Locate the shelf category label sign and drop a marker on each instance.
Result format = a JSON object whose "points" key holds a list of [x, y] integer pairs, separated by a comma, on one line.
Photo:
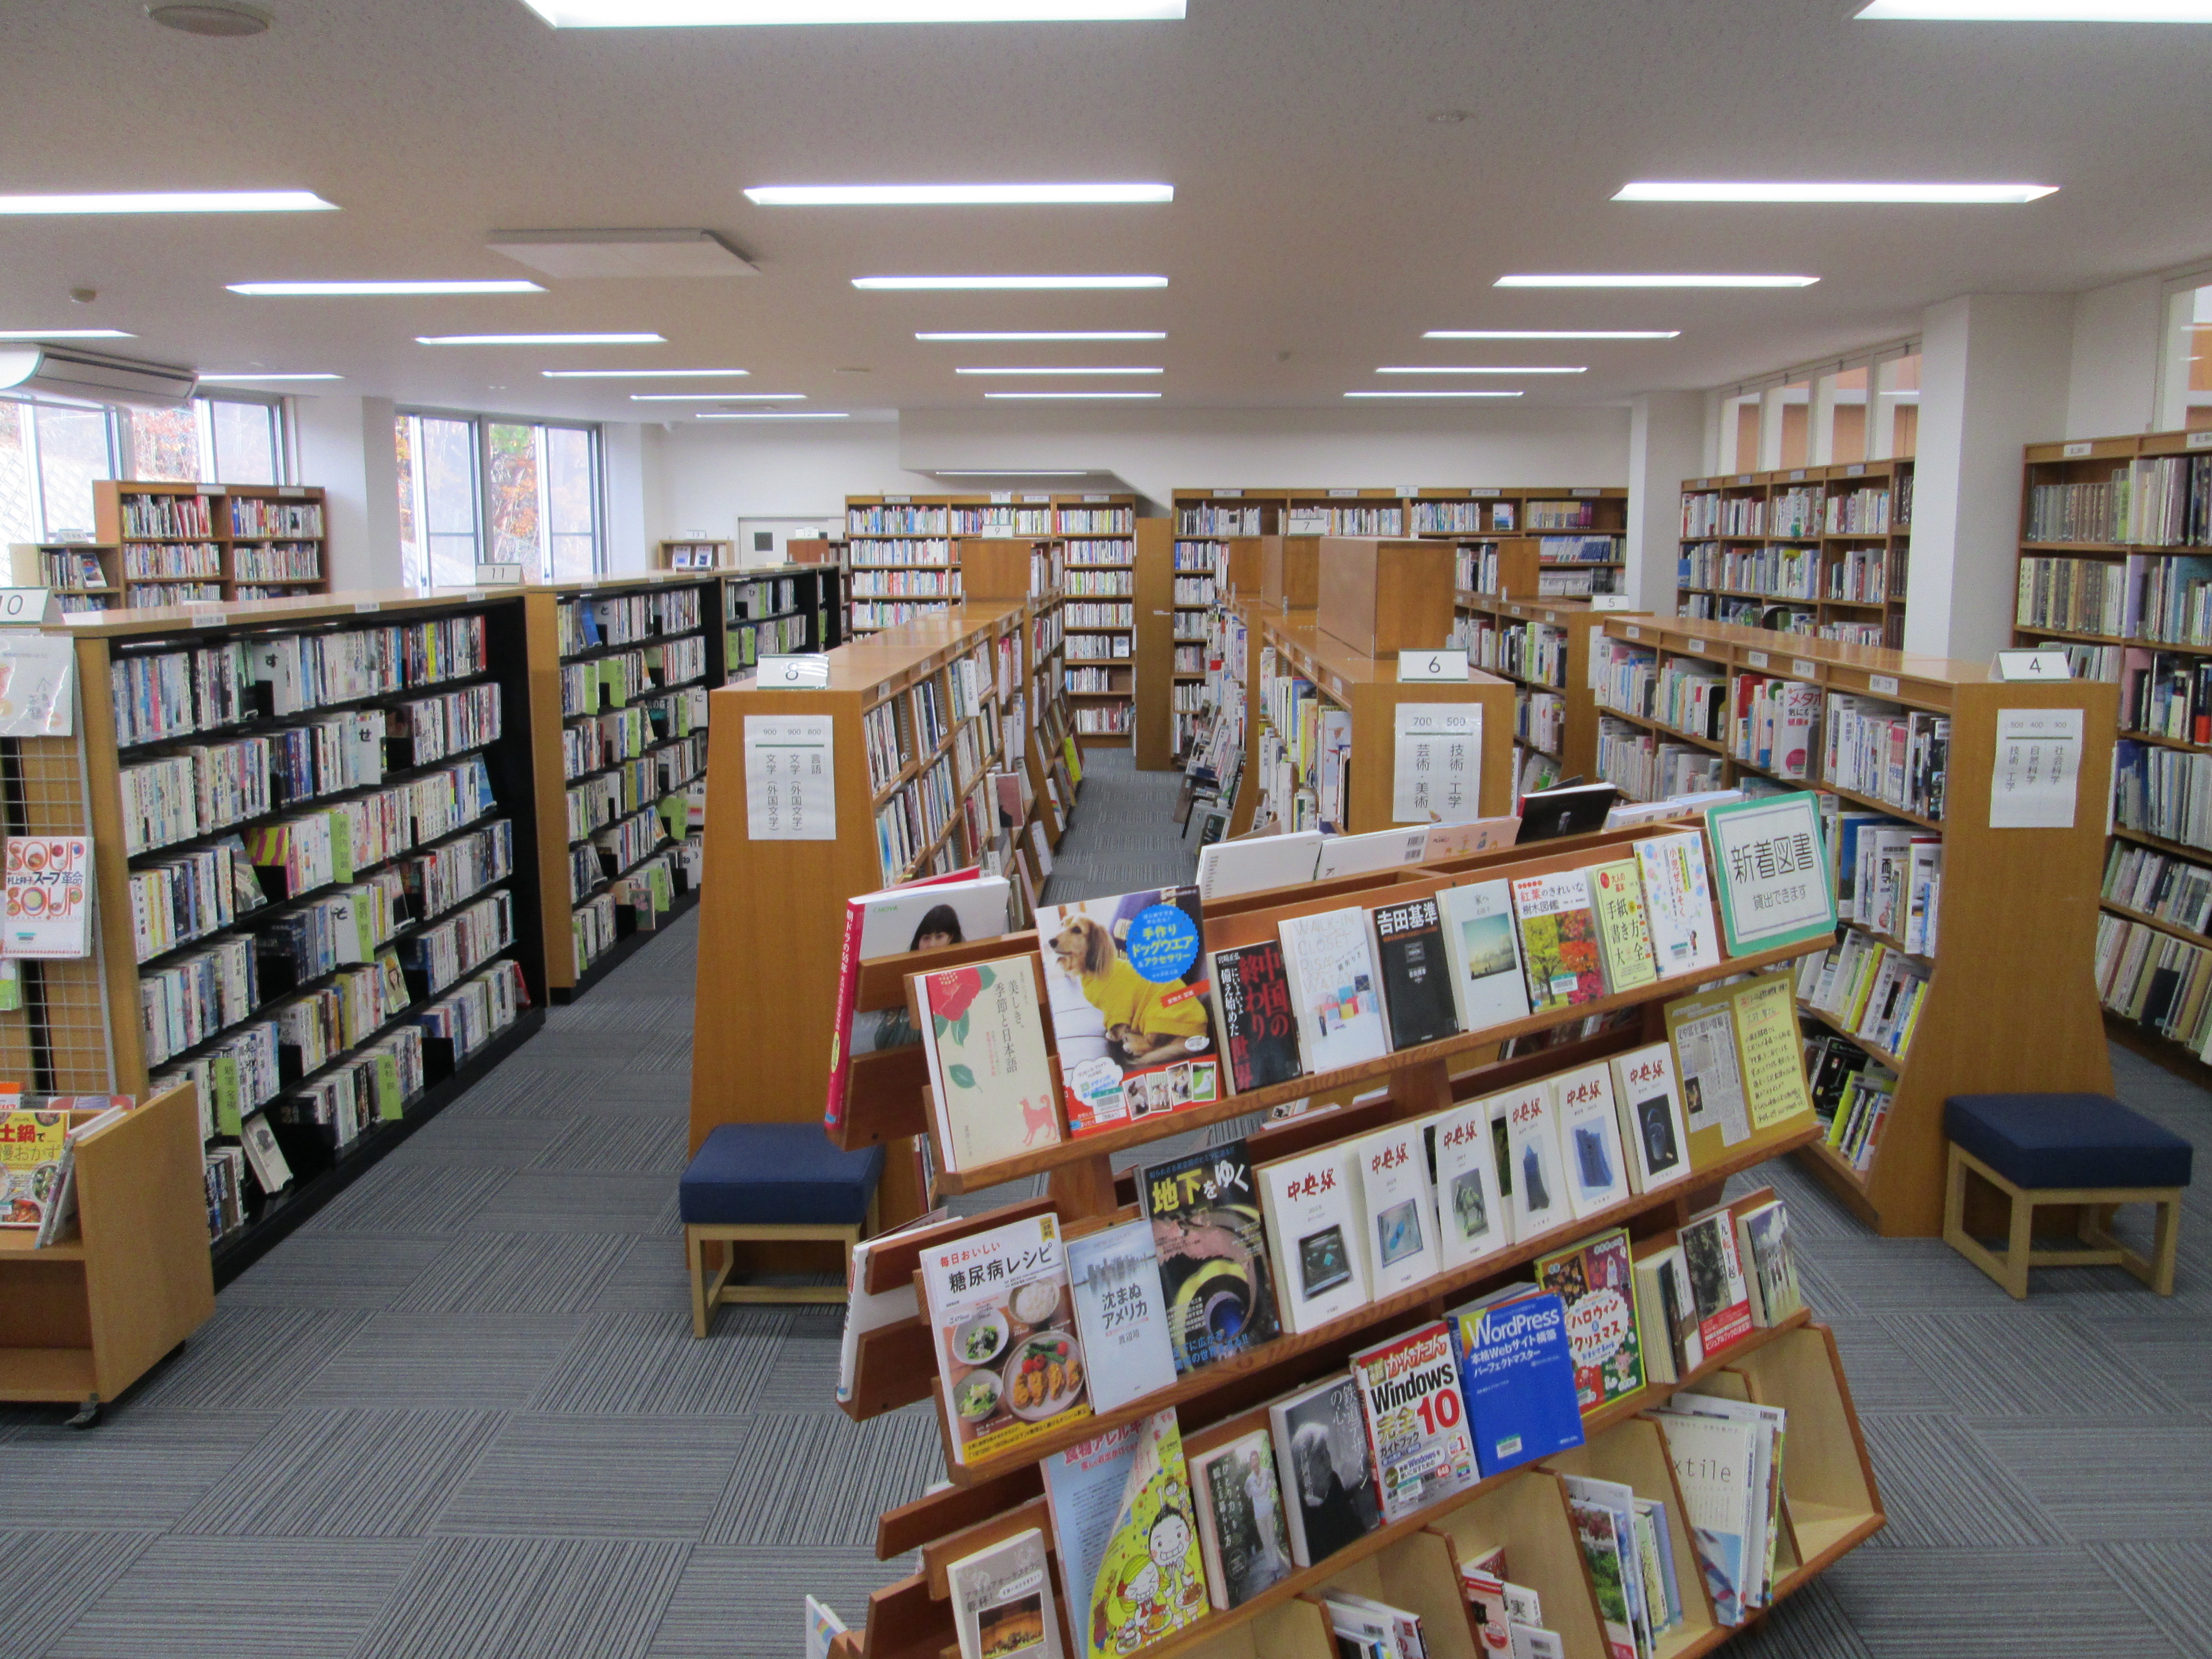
{"points": [[1438, 776], [791, 781], [2038, 769], [1771, 860]]}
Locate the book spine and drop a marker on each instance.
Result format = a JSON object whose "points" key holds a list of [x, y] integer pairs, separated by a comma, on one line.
{"points": [[840, 1033]]}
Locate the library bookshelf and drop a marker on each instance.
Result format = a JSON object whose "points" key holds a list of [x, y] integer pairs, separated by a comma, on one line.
{"points": [[694, 553], [421, 833], [1833, 1500], [1038, 726], [782, 902], [1809, 549], [182, 542], [2115, 545], [1543, 647], [1982, 1024], [83, 575], [87, 1316]]}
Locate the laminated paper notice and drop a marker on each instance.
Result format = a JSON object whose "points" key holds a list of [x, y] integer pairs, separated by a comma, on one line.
{"points": [[1768, 1039], [1438, 775], [790, 786], [1713, 1086], [2038, 769]]}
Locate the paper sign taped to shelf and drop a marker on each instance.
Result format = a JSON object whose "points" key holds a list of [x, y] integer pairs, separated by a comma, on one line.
{"points": [[2032, 665], [498, 576], [2198, 440], [791, 780], [46, 897], [38, 684], [1438, 775], [1431, 666], [2038, 769], [807, 672]]}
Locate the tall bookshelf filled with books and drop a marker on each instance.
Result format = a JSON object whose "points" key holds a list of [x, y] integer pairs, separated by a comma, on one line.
{"points": [[1916, 761], [83, 575], [1098, 615], [184, 543], [2115, 556], [622, 760], [779, 611], [1254, 1283], [1544, 648], [1820, 551], [316, 865]]}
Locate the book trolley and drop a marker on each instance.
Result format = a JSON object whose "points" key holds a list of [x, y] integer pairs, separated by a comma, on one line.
{"points": [[2116, 547], [188, 541], [1830, 1492], [2009, 1003], [1810, 550]]}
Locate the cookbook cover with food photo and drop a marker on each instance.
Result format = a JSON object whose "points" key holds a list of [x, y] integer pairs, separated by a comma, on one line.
{"points": [[1004, 1322]]}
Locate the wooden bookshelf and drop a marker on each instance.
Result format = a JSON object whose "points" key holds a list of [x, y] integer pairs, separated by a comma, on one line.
{"points": [[87, 1316], [1833, 1500], [779, 610], [1205, 569], [694, 553], [190, 543], [1983, 1024], [2098, 550], [1543, 647], [783, 901], [452, 942], [84, 575], [1160, 701], [1852, 524]]}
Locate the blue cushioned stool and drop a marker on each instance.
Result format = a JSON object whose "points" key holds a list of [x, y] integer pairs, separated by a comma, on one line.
{"points": [[2086, 1150], [771, 1184]]}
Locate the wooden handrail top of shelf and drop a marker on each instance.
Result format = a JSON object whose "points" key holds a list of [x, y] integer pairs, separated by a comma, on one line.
{"points": [[1735, 639], [893, 658], [1334, 667], [389, 603]]}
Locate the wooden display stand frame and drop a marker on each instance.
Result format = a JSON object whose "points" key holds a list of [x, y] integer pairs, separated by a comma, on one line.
{"points": [[107, 517], [1834, 1502], [1381, 598], [84, 1318], [1842, 478], [664, 555], [1984, 1026]]}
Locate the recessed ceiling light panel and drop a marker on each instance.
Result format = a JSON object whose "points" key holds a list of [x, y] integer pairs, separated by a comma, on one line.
{"points": [[1553, 334], [494, 285], [65, 334], [602, 253], [2040, 11], [718, 397], [1656, 279], [1069, 396], [538, 339], [1432, 394], [1461, 369], [174, 201], [955, 195], [1663, 191], [1031, 336], [1059, 371], [641, 373], [245, 379], [778, 415], [1040, 282], [705, 14]]}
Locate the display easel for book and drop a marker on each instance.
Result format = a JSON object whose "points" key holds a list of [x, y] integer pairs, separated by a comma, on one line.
{"points": [[1829, 1483], [1818, 550], [2010, 1001], [190, 542], [2114, 538]]}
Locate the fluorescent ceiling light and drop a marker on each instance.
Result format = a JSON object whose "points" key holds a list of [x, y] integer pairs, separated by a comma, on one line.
{"points": [[699, 13], [65, 334], [639, 373], [1553, 334], [240, 379], [1432, 394], [1629, 279], [1059, 371], [182, 201], [1012, 471], [1654, 190], [1439, 369], [490, 285], [2041, 11], [1061, 396], [1035, 334], [718, 397], [1007, 282], [777, 415], [539, 339], [952, 195]]}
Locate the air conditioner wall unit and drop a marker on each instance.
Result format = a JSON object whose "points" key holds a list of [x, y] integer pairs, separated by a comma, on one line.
{"points": [[94, 375]]}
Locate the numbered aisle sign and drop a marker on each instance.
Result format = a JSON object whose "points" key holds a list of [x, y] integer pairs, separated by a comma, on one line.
{"points": [[1775, 888], [1438, 775], [791, 781], [810, 672], [1431, 666]]}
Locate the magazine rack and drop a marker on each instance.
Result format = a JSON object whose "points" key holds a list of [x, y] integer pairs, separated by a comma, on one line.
{"points": [[1833, 1500]]}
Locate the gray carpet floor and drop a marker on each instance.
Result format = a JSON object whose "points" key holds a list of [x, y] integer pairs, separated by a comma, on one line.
{"points": [[461, 1413]]}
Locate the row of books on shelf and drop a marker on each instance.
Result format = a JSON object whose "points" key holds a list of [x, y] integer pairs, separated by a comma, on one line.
{"points": [[1868, 988], [1191, 592], [872, 616], [1852, 1093], [620, 734], [1540, 719], [2149, 977], [2157, 883], [1551, 584], [762, 597], [250, 517], [1114, 550], [1221, 519], [906, 583], [1102, 584], [1198, 557], [2162, 792], [598, 684], [1035, 1332], [1106, 719], [1792, 573], [1074, 615], [626, 618], [2162, 501], [897, 554], [169, 693], [915, 520], [2157, 598], [279, 561], [1525, 650], [1577, 549], [149, 560], [1098, 648], [622, 790], [1647, 767], [744, 645], [1463, 518]]}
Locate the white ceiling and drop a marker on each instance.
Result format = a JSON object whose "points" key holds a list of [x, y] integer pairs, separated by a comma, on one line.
{"points": [[1319, 212]]}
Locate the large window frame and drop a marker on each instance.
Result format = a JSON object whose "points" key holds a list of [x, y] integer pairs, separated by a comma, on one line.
{"points": [[551, 510], [42, 520], [1786, 418]]}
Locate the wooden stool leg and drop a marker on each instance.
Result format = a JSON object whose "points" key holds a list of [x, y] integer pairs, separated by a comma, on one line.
{"points": [[694, 1251], [2022, 1244], [1954, 1196], [2168, 1243]]}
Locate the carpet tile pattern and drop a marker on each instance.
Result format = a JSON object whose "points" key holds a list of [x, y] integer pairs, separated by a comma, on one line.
{"points": [[461, 1413]]}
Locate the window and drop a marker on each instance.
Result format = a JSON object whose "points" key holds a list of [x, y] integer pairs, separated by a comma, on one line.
{"points": [[1897, 408], [52, 453], [506, 491], [1865, 407], [75, 448]]}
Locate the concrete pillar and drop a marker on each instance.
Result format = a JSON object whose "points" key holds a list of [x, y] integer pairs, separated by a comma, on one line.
{"points": [[346, 446], [1666, 445]]}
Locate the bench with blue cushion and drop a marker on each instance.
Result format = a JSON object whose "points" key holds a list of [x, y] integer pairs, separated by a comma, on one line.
{"points": [[2087, 1152], [771, 1184]]}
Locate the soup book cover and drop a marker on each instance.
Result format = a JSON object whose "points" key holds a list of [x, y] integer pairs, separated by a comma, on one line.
{"points": [[1132, 1018], [1215, 1277], [1003, 1320]]}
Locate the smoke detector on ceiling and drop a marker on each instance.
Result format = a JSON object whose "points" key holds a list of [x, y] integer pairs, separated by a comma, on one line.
{"points": [[624, 252], [226, 18]]}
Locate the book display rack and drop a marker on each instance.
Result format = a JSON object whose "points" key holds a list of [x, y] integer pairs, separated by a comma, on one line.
{"points": [[1811, 550], [1543, 647], [1907, 753], [83, 575], [183, 543], [1414, 1560], [621, 760], [694, 553], [317, 875], [2116, 558]]}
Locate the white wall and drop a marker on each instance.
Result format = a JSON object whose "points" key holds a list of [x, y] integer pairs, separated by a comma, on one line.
{"points": [[1667, 436], [622, 445], [345, 445], [709, 476], [2112, 376]]}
